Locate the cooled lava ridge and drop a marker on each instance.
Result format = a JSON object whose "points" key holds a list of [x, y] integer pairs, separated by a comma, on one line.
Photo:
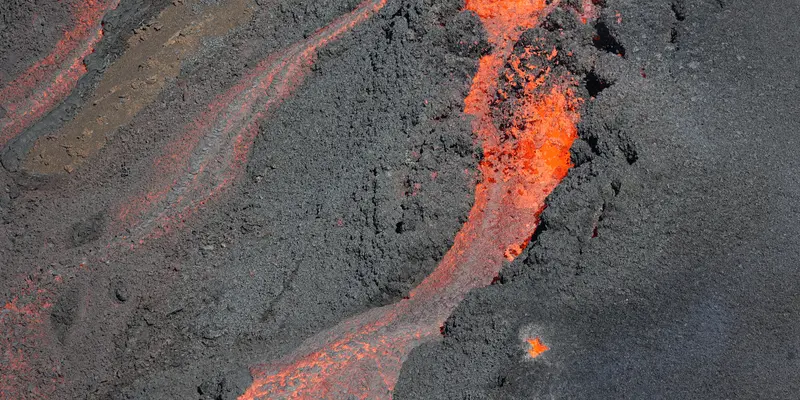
{"points": [[208, 158]]}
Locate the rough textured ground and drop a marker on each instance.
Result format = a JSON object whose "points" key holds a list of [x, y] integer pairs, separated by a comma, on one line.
{"points": [[117, 25], [28, 29], [688, 288], [664, 266], [354, 190]]}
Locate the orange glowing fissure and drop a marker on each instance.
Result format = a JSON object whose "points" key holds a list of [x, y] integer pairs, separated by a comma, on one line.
{"points": [[46, 83], [362, 356]]}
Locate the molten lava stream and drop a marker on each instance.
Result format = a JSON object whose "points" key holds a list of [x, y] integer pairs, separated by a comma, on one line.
{"points": [[362, 356], [210, 156], [46, 83]]}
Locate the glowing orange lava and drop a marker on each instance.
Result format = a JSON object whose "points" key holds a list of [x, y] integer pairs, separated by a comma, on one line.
{"points": [[46, 83], [536, 347], [362, 356]]}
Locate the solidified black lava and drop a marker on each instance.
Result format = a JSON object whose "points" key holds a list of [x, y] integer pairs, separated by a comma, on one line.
{"points": [[25, 48], [28, 29]]}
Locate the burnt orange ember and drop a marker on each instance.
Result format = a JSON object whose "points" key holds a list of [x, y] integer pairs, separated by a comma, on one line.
{"points": [[536, 347], [362, 356], [47, 82]]}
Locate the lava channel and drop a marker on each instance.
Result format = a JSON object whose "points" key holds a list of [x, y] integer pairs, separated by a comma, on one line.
{"points": [[214, 150], [46, 83], [362, 356]]}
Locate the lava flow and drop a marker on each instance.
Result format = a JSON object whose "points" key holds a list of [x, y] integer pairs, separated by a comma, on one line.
{"points": [[47, 82], [362, 356], [206, 160]]}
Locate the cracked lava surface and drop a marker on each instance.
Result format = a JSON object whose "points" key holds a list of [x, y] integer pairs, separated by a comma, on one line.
{"points": [[202, 163]]}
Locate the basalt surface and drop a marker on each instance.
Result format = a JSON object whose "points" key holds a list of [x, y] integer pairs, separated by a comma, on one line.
{"points": [[208, 199]]}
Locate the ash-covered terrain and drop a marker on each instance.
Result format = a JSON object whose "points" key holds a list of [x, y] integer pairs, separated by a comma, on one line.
{"points": [[222, 182]]}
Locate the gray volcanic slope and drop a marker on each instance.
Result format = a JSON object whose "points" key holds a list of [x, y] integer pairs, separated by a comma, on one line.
{"points": [[691, 287]]}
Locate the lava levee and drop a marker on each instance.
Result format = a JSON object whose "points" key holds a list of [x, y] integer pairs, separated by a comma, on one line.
{"points": [[211, 154], [197, 166], [153, 56], [47, 82]]}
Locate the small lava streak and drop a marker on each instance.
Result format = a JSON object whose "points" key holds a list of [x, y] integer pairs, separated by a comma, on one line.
{"points": [[537, 347], [362, 356], [212, 153], [24, 326], [46, 83]]}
